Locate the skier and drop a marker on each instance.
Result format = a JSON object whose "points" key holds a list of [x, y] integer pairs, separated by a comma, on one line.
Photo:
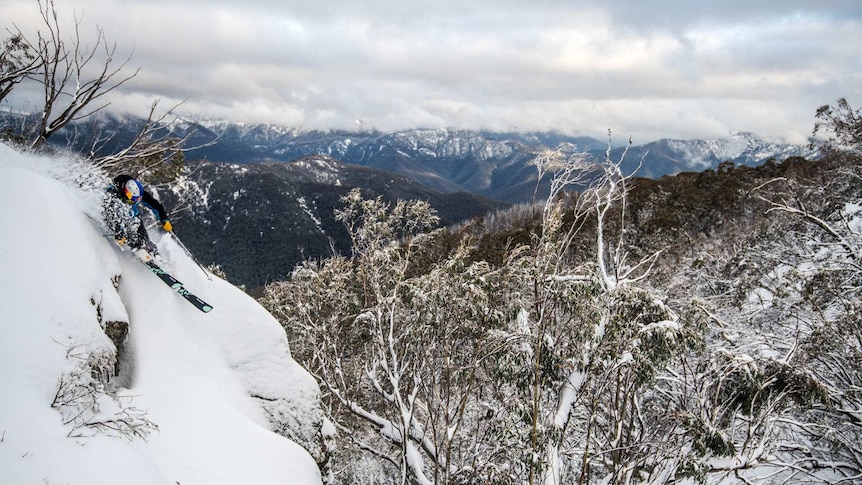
{"points": [[122, 213]]}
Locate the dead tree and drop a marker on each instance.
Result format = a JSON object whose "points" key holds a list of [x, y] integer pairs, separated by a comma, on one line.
{"points": [[155, 150], [75, 78]]}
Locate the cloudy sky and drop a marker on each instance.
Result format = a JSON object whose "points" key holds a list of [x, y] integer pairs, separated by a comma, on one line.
{"points": [[645, 69]]}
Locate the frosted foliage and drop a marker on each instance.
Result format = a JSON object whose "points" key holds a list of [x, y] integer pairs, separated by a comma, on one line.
{"points": [[454, 370], [577, 357]]}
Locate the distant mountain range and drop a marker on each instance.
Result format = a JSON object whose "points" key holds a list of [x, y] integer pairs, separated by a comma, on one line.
{"points": [[494, 165]]}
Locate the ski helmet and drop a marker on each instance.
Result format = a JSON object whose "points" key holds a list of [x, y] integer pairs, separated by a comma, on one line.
{"points": [[133, 190]]}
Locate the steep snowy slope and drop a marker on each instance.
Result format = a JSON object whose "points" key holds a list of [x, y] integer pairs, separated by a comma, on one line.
{"points": [[197, 396]]}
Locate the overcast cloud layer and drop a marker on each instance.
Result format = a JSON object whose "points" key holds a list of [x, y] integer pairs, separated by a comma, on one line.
{"points": [[649, 70]]}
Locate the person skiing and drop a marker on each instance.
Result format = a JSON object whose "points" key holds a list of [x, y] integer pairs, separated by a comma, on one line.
{"points": [[123, 214]]}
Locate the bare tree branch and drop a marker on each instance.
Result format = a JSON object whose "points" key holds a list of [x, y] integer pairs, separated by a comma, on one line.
{"points": [[153, 146], [72, 78]]}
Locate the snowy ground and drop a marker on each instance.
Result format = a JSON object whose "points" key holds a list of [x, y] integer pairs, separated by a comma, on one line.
{"points": [[190, 374]]}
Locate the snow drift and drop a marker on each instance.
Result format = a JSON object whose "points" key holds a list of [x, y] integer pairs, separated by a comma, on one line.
{"points": [[188, 397]]}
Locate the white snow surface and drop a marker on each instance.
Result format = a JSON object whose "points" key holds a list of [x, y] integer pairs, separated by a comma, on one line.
{"points": [[192, 373]]}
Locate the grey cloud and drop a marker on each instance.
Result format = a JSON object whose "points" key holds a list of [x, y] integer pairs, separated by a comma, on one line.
{"points": [[657, 69]]}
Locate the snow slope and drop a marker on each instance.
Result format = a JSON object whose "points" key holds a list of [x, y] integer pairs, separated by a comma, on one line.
{"points": [[202, 390]]}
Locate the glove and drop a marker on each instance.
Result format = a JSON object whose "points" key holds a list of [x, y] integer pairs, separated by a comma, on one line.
{"points": [[166, 225], [121, 241]]}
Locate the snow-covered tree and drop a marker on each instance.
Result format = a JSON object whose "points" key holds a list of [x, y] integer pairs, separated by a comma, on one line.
{"points": [[839, 128], [588, 338], [534, 370], [17, 62], [366, 298], [774, 397]]}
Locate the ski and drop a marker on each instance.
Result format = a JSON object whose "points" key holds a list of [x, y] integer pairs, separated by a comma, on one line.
{"points": [[145, 258], [175, 284]]}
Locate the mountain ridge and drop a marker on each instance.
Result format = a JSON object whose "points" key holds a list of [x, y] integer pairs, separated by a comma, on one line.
{"points": [[490, 164], [259, 220], [672, 156], [442, 149]]}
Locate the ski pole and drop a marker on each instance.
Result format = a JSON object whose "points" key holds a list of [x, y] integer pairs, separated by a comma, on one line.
{"points": [[189, 253]]}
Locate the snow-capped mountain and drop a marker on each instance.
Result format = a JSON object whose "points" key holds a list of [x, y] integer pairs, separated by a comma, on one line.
{"points": [[495, 165], [109, 376], [668, 156], [489, 164]]}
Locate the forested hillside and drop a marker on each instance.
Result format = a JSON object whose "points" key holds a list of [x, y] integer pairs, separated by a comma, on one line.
{"points": [[699, 327], [258, 221]]}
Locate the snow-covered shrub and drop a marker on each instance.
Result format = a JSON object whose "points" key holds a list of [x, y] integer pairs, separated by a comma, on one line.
{"points": [[89, 408]]}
